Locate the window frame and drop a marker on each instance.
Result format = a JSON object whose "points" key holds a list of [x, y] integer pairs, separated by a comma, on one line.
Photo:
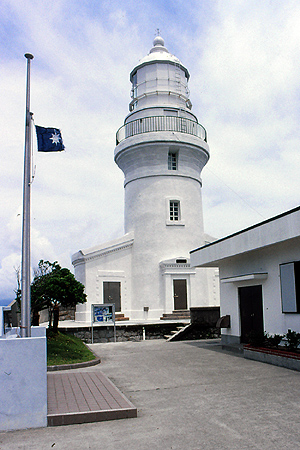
{"points": [[290, 287], [171, 219], [174, 210], [173, 160]]}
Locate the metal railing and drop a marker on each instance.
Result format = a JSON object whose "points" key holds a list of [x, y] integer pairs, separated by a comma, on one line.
{"points": [[160, 123]]}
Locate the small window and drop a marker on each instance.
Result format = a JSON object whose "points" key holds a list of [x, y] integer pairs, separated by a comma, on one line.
{"points": [[290, 287], [134, 79], [172, 160], [174, 210]]}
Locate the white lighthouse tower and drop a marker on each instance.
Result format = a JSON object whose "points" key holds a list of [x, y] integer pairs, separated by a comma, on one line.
{"points": [[161, 149]]}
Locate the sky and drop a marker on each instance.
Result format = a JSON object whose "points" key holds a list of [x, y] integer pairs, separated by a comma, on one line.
{"points": [[244, 62]]}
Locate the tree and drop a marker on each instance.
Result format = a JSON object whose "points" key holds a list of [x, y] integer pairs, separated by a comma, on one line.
{"points": [[52, 287], [37, 300]]}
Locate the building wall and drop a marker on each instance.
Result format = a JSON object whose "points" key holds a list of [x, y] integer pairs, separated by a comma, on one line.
{"points": [[114, 266], [258, 261], [156, 82], [23, 381], [156, 237], [159, 93]]}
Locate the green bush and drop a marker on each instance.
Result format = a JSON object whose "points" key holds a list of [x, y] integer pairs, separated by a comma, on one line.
{"points": [[274, 340], [293, 339]]}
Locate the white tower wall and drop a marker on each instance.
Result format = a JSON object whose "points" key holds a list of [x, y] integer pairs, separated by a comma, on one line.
{"points": [[161, 149], [160, 124]]}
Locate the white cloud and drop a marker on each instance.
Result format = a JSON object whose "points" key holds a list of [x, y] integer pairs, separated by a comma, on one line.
{"points": [[248, 76], [243, 58]]}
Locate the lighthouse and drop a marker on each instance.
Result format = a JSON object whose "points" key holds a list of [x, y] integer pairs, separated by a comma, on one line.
{"points": [[161, 149]]}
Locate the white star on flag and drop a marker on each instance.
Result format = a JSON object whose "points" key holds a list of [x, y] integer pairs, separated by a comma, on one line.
{"points": [[55, 138], [49, 139]]}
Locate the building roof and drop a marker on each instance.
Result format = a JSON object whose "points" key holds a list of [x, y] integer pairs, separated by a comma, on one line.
{"points": [[277, 229], [159, 53], [98, 251], [6, 301]]}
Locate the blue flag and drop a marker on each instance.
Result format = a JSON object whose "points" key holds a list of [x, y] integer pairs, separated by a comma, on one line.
{"points": [[49, 139]]}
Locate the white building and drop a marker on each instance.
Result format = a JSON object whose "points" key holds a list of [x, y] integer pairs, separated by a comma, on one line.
{"points": [[161, 148], [259, 277]]}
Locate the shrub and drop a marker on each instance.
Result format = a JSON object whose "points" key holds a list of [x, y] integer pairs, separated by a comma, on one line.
{"points": [[293, 339], [274, 340]]}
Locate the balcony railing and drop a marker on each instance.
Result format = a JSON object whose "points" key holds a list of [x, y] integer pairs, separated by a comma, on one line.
{"points": [[161, 123]]}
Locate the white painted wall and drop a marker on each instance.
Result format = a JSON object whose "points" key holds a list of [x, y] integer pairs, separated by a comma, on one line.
{"points": [[160, 87], [257, 250], [23, 381], [262, 260], [110, 262]]}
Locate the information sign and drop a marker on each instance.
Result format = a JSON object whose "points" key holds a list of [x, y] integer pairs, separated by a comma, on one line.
{"points": [[103, 313]]}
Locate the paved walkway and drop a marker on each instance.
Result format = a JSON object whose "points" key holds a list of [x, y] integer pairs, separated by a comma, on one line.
{"points": [[82, 397], [190, 396]]}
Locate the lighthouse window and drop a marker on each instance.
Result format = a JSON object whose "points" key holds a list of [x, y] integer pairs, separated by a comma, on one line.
{"points": [[134, 86], [174, 210], [172, 161]]}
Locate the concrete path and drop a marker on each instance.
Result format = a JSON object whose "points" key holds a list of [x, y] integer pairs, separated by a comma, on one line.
{"points": [[190, 395]]}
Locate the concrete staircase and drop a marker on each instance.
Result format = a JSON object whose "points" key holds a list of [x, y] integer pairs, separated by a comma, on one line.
{"points": [[175, 334], [120, 317], [178, 315]]}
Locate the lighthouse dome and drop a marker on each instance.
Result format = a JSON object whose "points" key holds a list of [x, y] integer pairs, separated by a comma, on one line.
{"points": [[159, 80], [159, 53]]}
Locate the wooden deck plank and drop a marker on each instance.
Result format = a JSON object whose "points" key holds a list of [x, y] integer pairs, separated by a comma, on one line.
{"points": [[82, 397]]}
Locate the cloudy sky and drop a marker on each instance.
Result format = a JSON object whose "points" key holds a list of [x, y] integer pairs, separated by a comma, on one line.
{"points": [[244, 62]]}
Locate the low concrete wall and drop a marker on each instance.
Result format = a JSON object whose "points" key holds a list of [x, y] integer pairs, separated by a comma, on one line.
{"points": [[289, 362], [206, 316], [23, 382], [196, 331], [123, 332], [136, 332]]}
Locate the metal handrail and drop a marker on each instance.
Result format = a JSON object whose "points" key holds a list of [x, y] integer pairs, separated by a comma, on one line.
{"points": [[160, 123]]}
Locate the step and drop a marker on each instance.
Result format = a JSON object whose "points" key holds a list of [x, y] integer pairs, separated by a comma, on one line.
{"points": [[120, 317], [175, 334], [174, 317]]}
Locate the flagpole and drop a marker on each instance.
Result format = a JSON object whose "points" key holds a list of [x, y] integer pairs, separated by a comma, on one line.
{"points": [[25, 277]]}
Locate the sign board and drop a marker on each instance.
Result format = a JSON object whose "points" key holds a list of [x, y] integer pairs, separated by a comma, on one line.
{"points": [[103, 313]]}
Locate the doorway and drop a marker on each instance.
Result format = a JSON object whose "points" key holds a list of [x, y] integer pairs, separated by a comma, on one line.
{"points": [[112, 293], [251, 311], [180, 294]]}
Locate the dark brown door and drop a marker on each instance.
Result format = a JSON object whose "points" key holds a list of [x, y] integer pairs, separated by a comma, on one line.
{"points": [[180, 297], [112, 293], [251, 310]]}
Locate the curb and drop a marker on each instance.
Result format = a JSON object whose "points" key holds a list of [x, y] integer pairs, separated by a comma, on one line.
{"points": [[93, 362]]}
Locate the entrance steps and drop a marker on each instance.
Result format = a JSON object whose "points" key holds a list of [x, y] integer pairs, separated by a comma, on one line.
{"points": [[175, 334], [120, 317], [183, 314]]}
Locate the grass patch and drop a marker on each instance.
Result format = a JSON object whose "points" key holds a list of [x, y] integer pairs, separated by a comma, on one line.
{"points": [[66, 349]]}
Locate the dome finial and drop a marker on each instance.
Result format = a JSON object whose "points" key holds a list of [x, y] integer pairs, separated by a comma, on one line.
{"points": [[158, 40]]}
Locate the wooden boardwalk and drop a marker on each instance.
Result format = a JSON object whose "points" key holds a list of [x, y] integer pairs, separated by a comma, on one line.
{"points": [[82, 397]]}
